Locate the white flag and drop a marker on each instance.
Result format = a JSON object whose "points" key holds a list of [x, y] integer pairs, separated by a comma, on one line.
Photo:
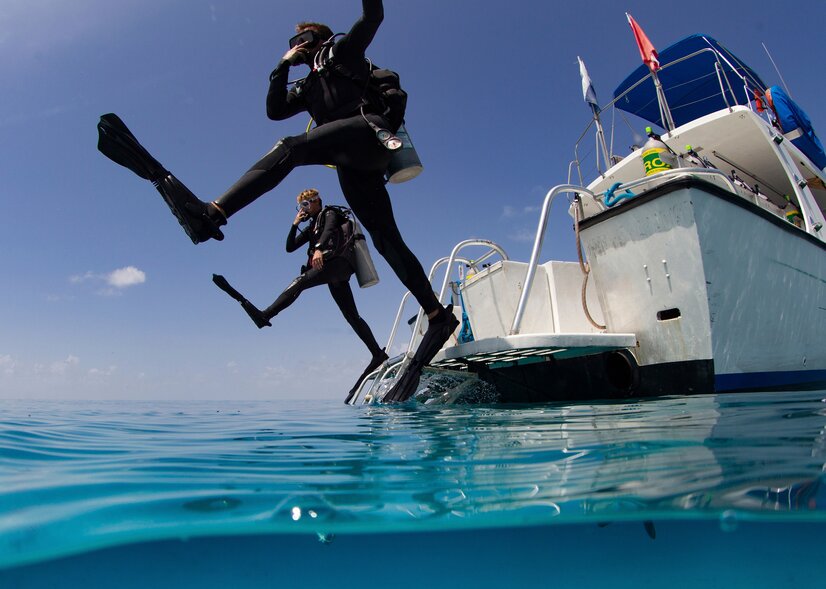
{"points": [[588, 92]]}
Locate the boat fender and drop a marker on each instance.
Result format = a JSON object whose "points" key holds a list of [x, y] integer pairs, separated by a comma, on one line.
{"points": [[610, 199]]}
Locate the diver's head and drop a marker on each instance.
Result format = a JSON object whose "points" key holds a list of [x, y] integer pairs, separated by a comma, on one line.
{"points": [[309, 201], [310, 37]]}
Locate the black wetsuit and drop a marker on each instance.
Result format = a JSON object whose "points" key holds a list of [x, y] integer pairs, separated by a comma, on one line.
{"points": [[342, 138], [323, 233]]}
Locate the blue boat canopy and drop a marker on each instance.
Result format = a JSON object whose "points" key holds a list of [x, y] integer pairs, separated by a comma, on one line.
{"points": [[692, 87]]}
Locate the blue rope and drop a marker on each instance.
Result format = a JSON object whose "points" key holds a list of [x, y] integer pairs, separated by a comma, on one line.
{"points": [[610, 199]]}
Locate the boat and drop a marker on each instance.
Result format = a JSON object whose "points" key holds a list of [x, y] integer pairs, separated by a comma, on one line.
{"points": [[706, 275]]}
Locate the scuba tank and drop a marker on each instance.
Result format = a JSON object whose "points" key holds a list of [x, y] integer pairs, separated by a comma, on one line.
{"points": [[405, 163], [656, 155], [365, 270]]}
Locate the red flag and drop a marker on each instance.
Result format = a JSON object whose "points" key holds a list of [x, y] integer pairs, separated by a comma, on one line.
{"points": [[647, 51]]}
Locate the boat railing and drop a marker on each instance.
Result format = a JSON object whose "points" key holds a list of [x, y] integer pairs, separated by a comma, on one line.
{"points": [[450, 261], [397, 363], [537, 247], [724, 85], [542, 226]]}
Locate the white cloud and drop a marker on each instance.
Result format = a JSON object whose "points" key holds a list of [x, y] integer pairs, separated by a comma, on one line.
{"points": [[62, 366], [115, 281], [524, 235], [126, 277], [98, 372], [7, 364], [78, 278]]}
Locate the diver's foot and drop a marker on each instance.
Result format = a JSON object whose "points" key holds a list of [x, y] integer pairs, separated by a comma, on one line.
{"points": [[439, 330], [200, 220], [255, 314], [406, 385], [375, 362]]}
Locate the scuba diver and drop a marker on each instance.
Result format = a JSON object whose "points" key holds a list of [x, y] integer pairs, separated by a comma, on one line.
{"points": [[355, 128], [330, 261]]}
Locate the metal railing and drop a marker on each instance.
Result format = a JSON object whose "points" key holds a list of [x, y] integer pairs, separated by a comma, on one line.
{"points": [[537, 247], [546, 209], [724, 83], [452, 259], [378, 376]]}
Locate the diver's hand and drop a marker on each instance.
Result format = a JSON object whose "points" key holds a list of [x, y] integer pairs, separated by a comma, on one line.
{"points": [[318, 260], [297, 55], [300, 218]]}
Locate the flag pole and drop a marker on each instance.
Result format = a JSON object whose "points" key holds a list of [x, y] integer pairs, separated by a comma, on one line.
{"points": [[665, 111], [652, 60], [590, 96], [601, 135]]}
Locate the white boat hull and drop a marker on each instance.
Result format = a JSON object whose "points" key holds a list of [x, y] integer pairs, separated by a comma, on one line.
{"points": [[699, 274]]}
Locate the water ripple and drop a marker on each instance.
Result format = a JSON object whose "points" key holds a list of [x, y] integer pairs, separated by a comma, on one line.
{"points": [[72, 478]]}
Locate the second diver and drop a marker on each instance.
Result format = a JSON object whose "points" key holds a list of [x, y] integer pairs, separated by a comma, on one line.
{"points": [[330, 261]]}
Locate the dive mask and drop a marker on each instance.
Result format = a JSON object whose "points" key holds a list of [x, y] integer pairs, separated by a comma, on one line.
{"points": [[305, 204], [309, 36]]}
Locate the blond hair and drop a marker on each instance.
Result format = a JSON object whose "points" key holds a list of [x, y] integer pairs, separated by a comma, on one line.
{"points": [[308, 194]]}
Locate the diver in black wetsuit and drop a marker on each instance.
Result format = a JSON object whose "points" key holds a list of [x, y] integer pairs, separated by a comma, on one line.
{"points": [[330, 261], [336, 96], [342, 138]]}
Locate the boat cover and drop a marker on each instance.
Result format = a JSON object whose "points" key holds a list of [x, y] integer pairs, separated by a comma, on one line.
{"points": [[793, 118], [691, 86]]}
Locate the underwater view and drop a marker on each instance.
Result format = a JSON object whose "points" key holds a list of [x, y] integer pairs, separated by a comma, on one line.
{"points": [[703, 491]]}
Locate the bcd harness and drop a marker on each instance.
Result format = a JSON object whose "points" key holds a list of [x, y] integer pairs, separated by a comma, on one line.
{"points": [[346, 233], [377, 89]]}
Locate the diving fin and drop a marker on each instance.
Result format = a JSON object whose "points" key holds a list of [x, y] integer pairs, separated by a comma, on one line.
{"points": [[224, 285], [375, 362], [254, 312], [440, 328], [117, 142]]}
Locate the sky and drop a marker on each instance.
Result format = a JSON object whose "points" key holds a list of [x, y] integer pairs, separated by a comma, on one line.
{"points": [[104, 297]]}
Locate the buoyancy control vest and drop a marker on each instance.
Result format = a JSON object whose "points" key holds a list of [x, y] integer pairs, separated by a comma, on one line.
{"points": [[341, 237], [344, 89]]}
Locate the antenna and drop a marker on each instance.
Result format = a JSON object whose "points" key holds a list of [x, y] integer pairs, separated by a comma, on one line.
{"points": [[777, 70]]}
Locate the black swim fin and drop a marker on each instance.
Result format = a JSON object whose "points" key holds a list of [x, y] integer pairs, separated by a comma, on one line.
{"points": [[254, 312], [440, 328], [224, 285], [117, 142], [375, 362]]}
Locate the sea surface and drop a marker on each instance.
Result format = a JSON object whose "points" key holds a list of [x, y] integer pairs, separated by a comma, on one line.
{"points": [[704, 491]]}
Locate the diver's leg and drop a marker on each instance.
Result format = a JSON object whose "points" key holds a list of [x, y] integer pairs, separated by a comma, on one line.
{"points": [[308, 279], [343, 296], [367, 196], [346, 141]]}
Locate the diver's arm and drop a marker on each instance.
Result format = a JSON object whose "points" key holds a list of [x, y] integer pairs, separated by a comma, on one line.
{"points": [[282, 104], [362, 33], [293, 242]]}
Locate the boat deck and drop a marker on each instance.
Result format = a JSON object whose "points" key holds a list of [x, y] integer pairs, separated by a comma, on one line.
{"points": [[499, 352]]}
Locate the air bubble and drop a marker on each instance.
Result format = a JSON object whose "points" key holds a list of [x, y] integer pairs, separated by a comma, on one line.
{"points": [[728, 521]]}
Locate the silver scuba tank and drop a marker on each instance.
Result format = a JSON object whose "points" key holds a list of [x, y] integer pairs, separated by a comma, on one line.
{"points": [[365, 270], [405, 163]]}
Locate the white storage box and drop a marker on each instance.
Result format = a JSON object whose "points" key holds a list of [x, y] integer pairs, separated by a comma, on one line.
{"points": [[492, 295]]}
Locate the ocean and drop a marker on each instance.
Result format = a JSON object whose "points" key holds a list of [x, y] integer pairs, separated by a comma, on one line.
{"points": [[703, 491]]}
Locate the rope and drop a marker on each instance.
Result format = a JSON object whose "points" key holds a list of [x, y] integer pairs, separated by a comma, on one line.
{"points": [[584, 266]]}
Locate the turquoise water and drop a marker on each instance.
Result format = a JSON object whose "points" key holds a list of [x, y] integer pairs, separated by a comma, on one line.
{"points": [[704, 491]]}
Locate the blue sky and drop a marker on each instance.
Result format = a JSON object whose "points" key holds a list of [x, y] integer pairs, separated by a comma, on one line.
{"points": [[104, 297]]}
